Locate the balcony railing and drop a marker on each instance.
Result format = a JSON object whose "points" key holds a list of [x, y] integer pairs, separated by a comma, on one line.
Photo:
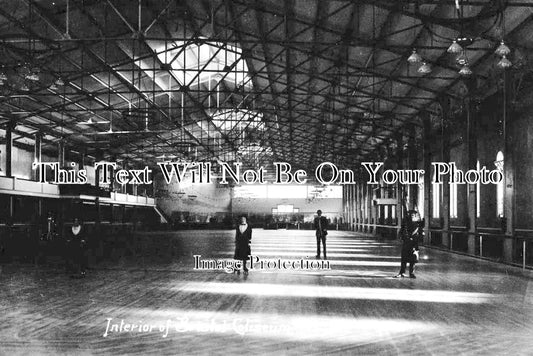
{"points": [[19, 186]]}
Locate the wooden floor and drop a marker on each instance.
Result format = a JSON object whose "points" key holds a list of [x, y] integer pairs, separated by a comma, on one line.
{"points": [[456, 306]]}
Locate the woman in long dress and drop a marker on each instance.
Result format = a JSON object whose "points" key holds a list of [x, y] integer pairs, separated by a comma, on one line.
{"points": [[243, 238]]}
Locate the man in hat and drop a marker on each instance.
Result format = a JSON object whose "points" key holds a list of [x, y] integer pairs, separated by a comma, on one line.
{"points": [[321, 226]]}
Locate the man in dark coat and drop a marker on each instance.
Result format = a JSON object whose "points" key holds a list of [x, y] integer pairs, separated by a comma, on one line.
{"points": [[77, 260], [320, 224], [409, 234], [243, 237]]}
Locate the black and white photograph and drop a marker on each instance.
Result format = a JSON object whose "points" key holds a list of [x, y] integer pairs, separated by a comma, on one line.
{"points": [[266, 177]]}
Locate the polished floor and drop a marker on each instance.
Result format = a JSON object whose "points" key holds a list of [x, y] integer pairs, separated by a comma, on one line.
{"points": [[157, 303]]}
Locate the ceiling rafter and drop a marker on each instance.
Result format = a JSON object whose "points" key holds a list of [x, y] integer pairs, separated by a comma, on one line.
{"points": [[356, 40], [102, 62], [349, 65], [326, 73]]}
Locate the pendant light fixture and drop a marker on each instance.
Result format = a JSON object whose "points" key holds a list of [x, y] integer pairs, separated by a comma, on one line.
{"points": [[502, 50], [424, 68], [462, 59], [414, 57], [504, 62], [460, 43], [465, 70], [455, 48]]}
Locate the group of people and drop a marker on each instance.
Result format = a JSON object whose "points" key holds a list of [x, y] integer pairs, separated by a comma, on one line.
{"points": [[75, 241], [243, 238], [410, 233]]}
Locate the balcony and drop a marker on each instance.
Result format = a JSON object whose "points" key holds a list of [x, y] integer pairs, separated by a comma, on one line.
{"points": [[19, 186]]}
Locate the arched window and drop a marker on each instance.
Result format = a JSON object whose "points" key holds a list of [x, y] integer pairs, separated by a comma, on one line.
{"points": [[500, 186]]}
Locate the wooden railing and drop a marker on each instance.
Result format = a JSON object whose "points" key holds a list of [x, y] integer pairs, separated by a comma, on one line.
{"points": [[486, 245]]}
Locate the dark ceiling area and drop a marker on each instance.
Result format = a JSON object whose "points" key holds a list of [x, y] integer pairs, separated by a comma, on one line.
{"points": [[259, 81]]}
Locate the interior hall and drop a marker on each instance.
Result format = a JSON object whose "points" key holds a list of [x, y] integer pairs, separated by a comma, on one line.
{"points": [[266, 177]]}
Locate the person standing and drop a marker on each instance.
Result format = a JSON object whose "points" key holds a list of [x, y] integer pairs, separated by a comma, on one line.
{"points": [[51, 228], [77, 243], [409, 234], [243, 238], [321, 226]]}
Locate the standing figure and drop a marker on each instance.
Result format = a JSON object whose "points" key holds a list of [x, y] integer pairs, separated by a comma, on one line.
{"points": [[243, 237], [409, 234], [76, 241], [320, 224], [51, 231]]}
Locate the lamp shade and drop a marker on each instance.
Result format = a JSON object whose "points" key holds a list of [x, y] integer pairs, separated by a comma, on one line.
{"points": [[455, 48], [424, 68], [414, 57], [502, 49], [465, 70], [504, 63]]}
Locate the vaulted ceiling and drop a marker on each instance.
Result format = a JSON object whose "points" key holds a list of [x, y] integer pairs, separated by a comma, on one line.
{"points": [[258, 81]]}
